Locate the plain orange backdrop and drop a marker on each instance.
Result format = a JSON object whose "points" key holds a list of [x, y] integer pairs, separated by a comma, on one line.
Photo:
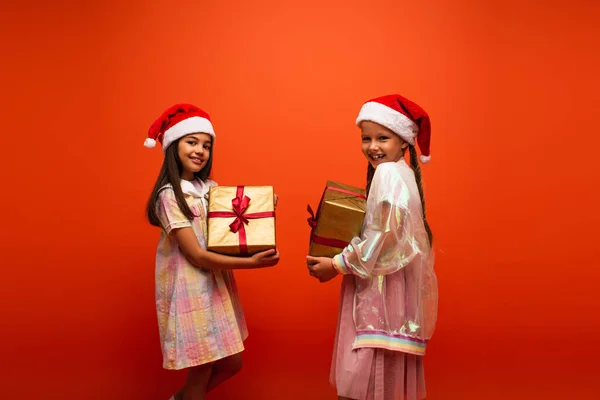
{"points": [[512, 195]]}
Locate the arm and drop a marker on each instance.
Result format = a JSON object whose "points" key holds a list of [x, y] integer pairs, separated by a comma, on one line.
{"points": [[363, 254], [176, 224], [200, 258], [387, 242], [381, 249]]}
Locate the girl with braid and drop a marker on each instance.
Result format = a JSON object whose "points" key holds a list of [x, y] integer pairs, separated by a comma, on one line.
{"points": [[388, 304]]}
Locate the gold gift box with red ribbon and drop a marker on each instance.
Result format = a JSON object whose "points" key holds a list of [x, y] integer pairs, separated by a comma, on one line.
{"points": [[338, 220], [241, 219]]}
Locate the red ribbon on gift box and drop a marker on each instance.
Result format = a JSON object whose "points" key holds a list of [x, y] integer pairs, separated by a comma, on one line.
{"points": [[312, 221], [240, 204]]}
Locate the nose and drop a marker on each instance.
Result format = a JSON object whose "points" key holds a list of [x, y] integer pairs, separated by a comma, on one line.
{"points": [[373, 146]]}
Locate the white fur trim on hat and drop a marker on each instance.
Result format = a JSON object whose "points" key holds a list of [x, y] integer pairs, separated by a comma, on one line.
{"points": [[390, 118], [186, 127], [424, 159]]}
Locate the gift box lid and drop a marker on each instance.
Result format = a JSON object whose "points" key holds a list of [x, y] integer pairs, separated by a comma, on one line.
{"points": [[343, 198]]}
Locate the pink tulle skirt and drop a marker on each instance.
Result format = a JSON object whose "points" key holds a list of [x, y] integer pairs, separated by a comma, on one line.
{"points": [[371, 374]]}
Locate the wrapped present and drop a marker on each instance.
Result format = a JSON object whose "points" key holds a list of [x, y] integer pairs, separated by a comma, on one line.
{"points": [[241, 219], [339, 218]]}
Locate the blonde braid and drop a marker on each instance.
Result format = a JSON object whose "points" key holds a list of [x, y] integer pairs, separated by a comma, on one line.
{"points": [[414, 164], [370, 174]]}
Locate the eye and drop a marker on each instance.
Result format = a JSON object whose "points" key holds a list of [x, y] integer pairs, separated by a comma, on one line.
{"points": [[207, 147], [365, 139], [382, 137], [191, 142]]}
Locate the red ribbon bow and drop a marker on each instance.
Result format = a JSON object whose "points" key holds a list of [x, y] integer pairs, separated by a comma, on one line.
{"points": [[239, 205], [312, 222], [239, 208]]}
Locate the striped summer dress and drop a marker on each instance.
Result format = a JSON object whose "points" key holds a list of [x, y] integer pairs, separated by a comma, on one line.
{"points": [[200, 318]]}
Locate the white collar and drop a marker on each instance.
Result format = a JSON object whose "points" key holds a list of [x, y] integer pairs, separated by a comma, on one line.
{"points": [[195, 190]]}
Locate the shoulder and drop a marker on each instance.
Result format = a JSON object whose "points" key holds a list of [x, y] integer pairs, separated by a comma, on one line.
{"points": [[394, 170], [391, 183], [166, 194], [387, 171], [166, 190]]}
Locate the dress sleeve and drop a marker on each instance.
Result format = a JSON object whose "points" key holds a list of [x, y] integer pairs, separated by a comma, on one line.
{"points": [[170, 215]]}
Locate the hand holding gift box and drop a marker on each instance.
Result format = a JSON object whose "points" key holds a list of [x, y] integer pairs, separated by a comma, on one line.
{"points": [[241, 219], [339, 218]]}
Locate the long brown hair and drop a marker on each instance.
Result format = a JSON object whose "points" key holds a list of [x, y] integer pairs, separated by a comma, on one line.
{"points": [[414, 164], [170, 172]]}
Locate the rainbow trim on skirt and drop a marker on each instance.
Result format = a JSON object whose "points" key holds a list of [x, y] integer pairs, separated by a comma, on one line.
{"points": [[382, 340]]}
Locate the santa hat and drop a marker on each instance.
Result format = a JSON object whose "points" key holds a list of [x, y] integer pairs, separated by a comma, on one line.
{"points": [[405, 118], [176, 122]]}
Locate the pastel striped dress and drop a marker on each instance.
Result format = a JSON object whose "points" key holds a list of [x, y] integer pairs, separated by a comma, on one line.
{"points": [[200, 317]]}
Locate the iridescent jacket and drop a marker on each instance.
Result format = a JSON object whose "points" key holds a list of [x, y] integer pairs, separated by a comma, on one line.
{"points": [[395, 303]]}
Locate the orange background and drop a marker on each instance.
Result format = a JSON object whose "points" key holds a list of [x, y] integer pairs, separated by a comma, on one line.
{"points": [[512, 92]]}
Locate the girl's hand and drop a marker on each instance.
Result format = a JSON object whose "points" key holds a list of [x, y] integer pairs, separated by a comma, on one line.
{"points": [[266, 258], [321, 268]]}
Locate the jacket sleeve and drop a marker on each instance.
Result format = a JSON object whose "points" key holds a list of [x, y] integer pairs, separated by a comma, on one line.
{"points": [[387, 242]]}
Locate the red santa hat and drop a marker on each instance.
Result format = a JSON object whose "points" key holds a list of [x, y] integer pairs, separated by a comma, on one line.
{"points": [[176, 122], [405, 118]]}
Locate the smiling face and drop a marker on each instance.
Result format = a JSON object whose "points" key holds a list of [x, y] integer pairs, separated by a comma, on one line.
{"points": [[379, 144], [194, 152]]}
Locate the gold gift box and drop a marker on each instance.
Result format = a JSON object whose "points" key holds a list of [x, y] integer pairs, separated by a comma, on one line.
{"points": [[258, 229], [339, 219]]}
